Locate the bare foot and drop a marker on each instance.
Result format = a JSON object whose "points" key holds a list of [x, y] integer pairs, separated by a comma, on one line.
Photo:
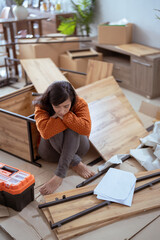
{"points": [[82, 170], [51, 185]]}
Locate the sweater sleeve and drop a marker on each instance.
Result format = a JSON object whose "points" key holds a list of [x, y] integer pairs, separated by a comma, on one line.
{"points": [[79, 119], [46, 125]]}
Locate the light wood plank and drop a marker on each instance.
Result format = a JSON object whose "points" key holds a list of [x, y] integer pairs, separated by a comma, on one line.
{"points": [[97, 70], [42, 72], [102, 88], [138, 49], [114, 129]]}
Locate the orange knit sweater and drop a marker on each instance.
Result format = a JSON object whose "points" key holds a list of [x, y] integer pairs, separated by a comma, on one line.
{"points": [[78, 119]]}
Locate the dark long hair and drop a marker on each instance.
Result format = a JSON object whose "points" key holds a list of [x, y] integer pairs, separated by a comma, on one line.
{"points": [[56, 93]]}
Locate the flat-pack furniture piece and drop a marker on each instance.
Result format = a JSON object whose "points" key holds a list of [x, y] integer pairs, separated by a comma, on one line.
{"points": [[18, 132], [144, 200], [138, 67]]}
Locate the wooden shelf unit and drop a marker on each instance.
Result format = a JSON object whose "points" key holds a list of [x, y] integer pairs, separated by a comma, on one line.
{"points": [[138, 74]]}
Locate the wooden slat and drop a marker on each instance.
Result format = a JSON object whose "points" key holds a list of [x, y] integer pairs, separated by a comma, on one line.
{"points": [[42, 72], [114, 129], [97, 70], [138, 49], [142, 201]]}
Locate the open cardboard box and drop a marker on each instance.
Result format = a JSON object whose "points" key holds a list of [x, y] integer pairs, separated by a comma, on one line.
{"points": [[115, 34]]}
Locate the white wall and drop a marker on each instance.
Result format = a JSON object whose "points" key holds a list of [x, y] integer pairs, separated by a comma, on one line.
{"points": [[141, 13]]}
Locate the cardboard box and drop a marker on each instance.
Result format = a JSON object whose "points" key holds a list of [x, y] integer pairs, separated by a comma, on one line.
{"points": [[48, 50], [18, 132], [116, 35], [79, 64]]}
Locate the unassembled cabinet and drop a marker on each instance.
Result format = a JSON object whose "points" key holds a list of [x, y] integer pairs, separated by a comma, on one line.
{"points": [[138, 74], [18, 132]]}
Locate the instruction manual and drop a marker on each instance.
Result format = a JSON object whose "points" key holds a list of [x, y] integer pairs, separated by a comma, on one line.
{"points": [[116, 186]]}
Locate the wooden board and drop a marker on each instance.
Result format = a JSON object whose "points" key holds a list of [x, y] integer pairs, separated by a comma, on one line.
{"points": [[138, 49], [14, 136], [97, 70], [81, 53], [114, 129], [103, 88], [42, 72], [142, 201]]}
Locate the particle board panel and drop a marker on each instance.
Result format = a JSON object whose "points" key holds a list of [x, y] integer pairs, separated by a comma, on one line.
{"points": [[42, 72], [97, 70], [14, 136], [138, 49], [102, 88], [114, 129], [142, 201]]}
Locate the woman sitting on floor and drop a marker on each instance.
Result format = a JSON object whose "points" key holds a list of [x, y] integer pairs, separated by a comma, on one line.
{"points": [[63, 121]]}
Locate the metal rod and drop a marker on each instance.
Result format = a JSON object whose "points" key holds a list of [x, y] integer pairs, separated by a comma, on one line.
{"points": [[149, 184], [65, 199], [71, 71], [80, 214], [148, 176], [17, 115], [89, 210]]}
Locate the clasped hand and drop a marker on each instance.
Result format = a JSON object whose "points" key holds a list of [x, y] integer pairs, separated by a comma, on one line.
{"points": [[56, 115]]}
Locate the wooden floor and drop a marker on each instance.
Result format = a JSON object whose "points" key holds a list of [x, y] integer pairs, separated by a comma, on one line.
{"points": [[30, 223]]}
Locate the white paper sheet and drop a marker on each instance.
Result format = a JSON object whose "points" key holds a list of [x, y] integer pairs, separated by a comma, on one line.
{"points": [[154, 138], [149, 158], [116, 186], [145, 157], [116, 159]]}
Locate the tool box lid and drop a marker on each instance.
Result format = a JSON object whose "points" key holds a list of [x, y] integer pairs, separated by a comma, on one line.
{"points": [[14, 180]]}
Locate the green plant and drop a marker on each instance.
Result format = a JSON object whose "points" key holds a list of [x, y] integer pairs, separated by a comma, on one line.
{"points": [[19, 2], [84, 13]]}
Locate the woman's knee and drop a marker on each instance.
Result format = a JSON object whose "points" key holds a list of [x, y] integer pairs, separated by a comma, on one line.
{"points": [[46, 151], [69, 132], [84, 146]]}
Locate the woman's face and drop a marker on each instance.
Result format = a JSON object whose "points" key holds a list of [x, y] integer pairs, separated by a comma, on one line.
{"points": [[62, 108]]}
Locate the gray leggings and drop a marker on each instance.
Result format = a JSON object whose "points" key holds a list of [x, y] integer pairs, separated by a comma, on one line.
{"points": [[67, 148]]}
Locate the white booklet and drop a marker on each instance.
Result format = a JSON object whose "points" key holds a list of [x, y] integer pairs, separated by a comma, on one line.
{"points": [[116, 186]]}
